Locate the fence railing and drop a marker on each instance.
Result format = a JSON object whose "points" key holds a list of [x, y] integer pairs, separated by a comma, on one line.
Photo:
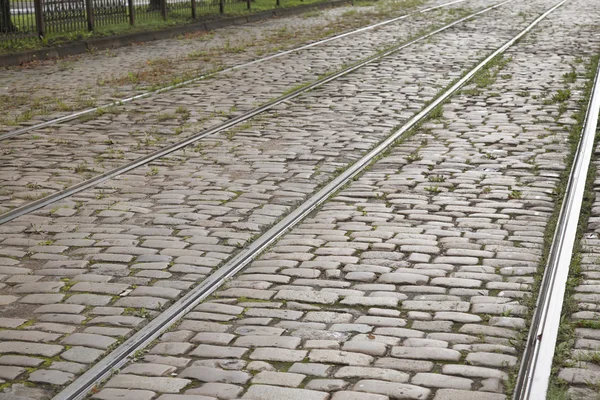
{"points": [[38, 18]]}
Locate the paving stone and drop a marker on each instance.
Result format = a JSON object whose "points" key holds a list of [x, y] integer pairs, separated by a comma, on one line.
{"points": [[102, 288], [123, 394], [260, 366], [326, 385], [115, 332], [404, 364], [312, 369], [441, 381], [10, 373], [89, 299], [150, 303], [491, 359], [424, 353], [218, 390], [206, 374], [393, 390], [264, 392], [45, 350], [374, 373], [157, 384], [7, 299], [473, 372], [343, 395], [171, 348], [451, 394], [83, 355], [310, 297], [149, 369], [213, 338], [38, 287], [21, 361], [277, 354], [50, 376], [339, 357], [70, 367], [11, 322], [210, 351], [288, 342], [28, 336], [579, 375], [361, 346], [184, 397], [89, 340], [253, 331], [178, 362], [42, 298], [117, 320], [278, 378]]}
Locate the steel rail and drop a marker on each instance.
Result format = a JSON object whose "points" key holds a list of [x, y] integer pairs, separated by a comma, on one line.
{"points": [[78, 389], [36, 205], [535, 369], [144, 95]]}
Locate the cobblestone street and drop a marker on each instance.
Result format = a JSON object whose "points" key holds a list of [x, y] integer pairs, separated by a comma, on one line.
{"points": [[416, 280]]}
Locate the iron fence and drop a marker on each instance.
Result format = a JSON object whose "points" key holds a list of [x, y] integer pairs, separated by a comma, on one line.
{"points": [[17, 19], [38, 18]]}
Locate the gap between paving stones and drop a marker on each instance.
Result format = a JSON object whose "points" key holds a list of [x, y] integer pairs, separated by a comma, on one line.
{"points": [[211, 74], [35, 205], [171, 316]]}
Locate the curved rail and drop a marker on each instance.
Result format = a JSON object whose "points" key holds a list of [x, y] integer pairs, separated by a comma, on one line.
{"points": [[122, 354]]}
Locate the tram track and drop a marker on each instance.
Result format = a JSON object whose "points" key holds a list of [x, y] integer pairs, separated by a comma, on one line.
{"points": [[202, 77], [535, 370], [121, 355], [90, 183]]}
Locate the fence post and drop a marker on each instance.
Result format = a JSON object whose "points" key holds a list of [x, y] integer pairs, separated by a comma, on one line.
{"points": [[163, 8], [39, 17], [131, 7], [89, 10], [222, 6], [193, 9]]}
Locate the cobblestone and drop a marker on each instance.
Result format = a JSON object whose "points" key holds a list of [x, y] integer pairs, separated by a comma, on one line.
{"points": [[443, 288]]}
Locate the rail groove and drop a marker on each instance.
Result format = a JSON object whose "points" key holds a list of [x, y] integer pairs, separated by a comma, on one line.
{"points": [[120, 102], [36, 205], [122, 354], [534, 375]]}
